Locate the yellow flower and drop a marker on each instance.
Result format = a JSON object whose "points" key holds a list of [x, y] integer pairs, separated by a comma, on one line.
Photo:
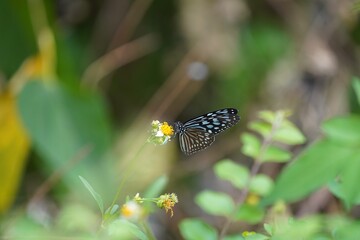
{"points": [[252, 199], [166, 129], [167, 201], [161, 133]]}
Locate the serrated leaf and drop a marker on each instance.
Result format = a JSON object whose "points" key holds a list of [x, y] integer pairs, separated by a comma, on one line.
{"points": [[249, 213], [263, 128], [232, 172], [251, 145], [215, 203], [195, 229], [94, 194], [289, 134], [345, 130], [316, 166], [275, 154], [261, 185]]}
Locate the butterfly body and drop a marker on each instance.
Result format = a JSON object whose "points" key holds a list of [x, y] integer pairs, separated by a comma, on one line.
{"points": [[199, 133]]}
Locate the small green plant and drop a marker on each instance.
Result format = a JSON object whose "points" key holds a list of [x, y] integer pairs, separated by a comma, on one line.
{"points": [[276, 133], [332, 161], [130, 220]]}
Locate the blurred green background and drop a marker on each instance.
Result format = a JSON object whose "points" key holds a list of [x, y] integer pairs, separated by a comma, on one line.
{"points": [[81, 81]]}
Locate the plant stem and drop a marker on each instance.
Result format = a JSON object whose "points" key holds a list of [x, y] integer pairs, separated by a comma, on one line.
{"points": [[243, 194], [254, 170], [127, 174], [148, 231]]}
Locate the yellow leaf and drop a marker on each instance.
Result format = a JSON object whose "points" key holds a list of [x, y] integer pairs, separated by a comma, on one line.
{"points": [[14, 147]]}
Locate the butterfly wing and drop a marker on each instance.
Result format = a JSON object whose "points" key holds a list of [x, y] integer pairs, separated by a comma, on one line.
{"points": [[214, 122], [193, 140]]}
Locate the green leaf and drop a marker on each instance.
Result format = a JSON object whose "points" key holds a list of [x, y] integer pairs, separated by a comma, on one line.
{"points": [[257, 236], [261, 185], [123, 229], [307, 228], [215, 203], [345, 130], [316, 166], [234, 237], [275, 154], [155, 189], [350, 179], [289, 134], [232, 172], [112, 209], [349, 231], [249, 213], [263, 128], [68, 125], [93, 193], [269, 229], [251, 145], [267, 116], [195, 229], [356, 86]]}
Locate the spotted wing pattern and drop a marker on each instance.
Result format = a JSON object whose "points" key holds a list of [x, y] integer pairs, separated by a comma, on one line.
{"points": [[199, 133], [214, 122]]}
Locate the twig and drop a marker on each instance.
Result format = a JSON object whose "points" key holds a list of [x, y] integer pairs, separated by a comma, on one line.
{"points": [[118, 57], [46, 186], [132, 19]]}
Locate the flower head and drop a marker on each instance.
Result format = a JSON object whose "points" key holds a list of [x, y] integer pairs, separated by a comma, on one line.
{"points": [[166, 129], [167, 201], [161, 133], [131, 210]]}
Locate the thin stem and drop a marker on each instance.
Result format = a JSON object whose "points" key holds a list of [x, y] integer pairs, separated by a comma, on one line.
{"points": [[254, 170], [127, 174], [149, 233]]}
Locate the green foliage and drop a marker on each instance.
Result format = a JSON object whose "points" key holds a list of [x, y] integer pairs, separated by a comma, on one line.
{"points": [[336, 155], [157, 187], [195, 229], [123, 229], [94, 194], [232, 172], [249, 213], [215, 203], [261, 185], [274, 128], [356, 86], [67, 126]]}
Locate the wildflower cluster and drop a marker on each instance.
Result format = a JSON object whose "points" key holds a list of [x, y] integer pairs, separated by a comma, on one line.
{"points": [[167, 201], [160, 133], [132, 210]]}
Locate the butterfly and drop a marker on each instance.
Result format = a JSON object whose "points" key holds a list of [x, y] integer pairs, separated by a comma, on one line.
{"points": [[199, 133]]}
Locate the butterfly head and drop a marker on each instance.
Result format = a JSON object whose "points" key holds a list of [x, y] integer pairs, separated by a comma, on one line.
{"points": [[178, 127]]}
